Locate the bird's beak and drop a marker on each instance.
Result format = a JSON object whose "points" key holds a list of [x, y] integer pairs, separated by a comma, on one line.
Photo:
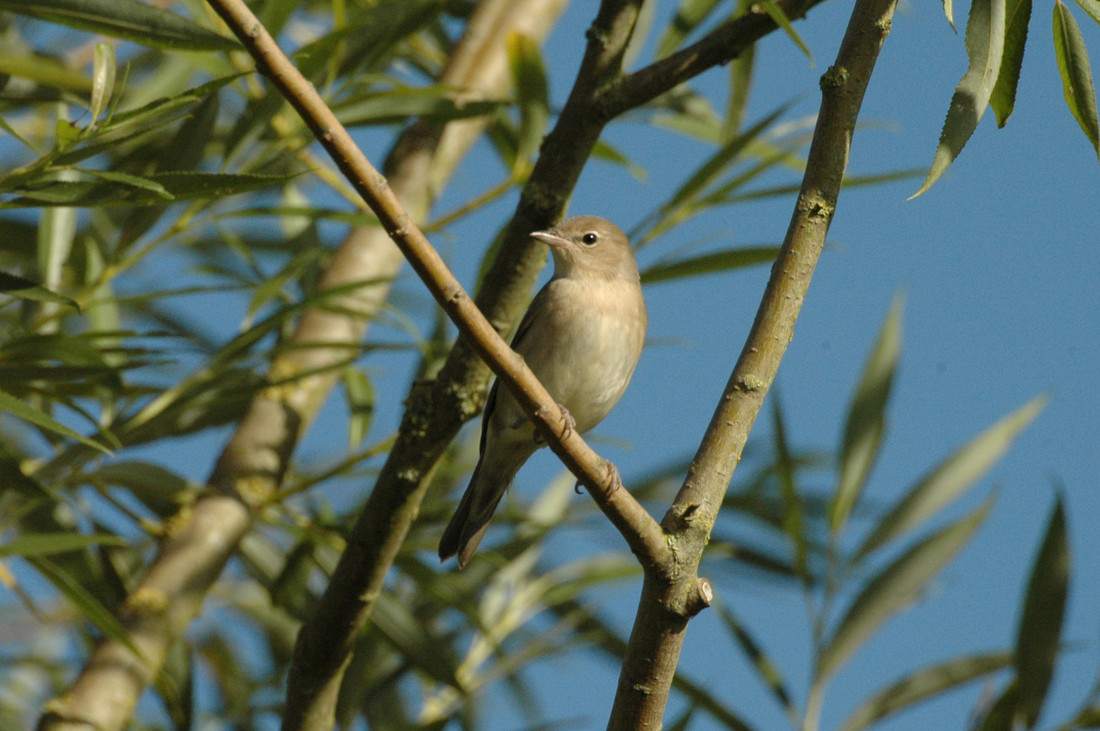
{"points": [[549, 238]]}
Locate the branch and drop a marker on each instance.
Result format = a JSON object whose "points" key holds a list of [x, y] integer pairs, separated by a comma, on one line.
{"points": [[719, 46], [665, 606], [252, 464]]}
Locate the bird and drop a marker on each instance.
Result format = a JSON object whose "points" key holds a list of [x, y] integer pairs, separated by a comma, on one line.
{"points": [[582, 337]]}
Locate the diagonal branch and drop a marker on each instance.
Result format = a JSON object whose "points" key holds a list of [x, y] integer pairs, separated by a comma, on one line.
{"points": [[666, 604], [252, 464]]}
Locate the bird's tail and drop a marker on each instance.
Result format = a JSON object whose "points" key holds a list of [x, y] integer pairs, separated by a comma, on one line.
{"points": [[466, 529]]}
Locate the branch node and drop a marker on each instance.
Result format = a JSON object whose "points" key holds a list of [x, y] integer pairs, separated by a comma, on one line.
{"points": [[699, 599], [835, 78]]}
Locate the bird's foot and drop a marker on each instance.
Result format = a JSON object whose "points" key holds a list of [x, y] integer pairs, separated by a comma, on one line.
{"points": [[570, 425], [615, 480]]}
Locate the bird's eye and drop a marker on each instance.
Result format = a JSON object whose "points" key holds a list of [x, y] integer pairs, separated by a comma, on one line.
{"points": [[590, 238]]}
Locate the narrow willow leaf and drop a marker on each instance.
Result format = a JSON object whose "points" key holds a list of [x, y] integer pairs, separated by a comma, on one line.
{"points": [[1003, 100], [894, 588], [360, 394], [131, 20], [793, 524], [718, 261], [47, 544], [28, 290], [604, 151], [43, 70], [1040, 627], [924, 684], [776, 14], [765, 668], [1073, 65], [985, 37], [89, 607], [1092, 7], [689, 15], [1001, 716], [396, 106], [949, 12], [951, 477], [866, 422], [533, 96], [26, 412], [119, 189], [741, 72], [103, 79]]}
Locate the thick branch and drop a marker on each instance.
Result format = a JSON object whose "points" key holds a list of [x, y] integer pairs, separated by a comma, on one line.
{"points": [[252, 464], [659, 625]]}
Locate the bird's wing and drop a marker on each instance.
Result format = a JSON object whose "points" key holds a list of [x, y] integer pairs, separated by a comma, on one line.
{"points": [[529, 318]]}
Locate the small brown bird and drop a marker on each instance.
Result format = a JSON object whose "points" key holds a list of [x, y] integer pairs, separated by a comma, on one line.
{"points": [[581, 337]]}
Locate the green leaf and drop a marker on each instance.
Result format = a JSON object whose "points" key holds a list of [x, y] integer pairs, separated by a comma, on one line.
{"points": [[103, 79], [47, 544], [1092, 7], [1018, 15], [533, 95], [866, 421], [129, 19], [28, 290], [1040, 627], [793, 524], [894, 588], [1073, 65], [710, 263], [119, 189], [985, 38], [765, 669], [397, 105], [951, 477], [89, 607], [780, 18], [26, 412], [360, 393], [949, 12], [689, 15], [604, 151], [924, 684], [43, 70], [1002, 715]]}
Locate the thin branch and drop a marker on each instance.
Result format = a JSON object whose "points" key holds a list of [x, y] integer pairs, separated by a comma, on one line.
{"points": [[665, 606], [719, 46]]}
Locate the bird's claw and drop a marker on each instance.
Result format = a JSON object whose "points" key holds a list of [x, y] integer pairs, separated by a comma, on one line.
{"points": [[615, 479], [570, 425]]}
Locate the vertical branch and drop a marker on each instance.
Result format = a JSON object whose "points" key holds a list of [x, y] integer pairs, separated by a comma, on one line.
{"points": [[667, 597]]}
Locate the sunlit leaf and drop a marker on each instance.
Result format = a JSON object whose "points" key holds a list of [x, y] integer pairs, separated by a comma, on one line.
{"points": [[710, 263], [985, 37], [129, 19], [1040, 629], [1018, 15], [532, 93], [923, 684], [895, 587], [776, 14], [47, 544], [866, 421], [26, 289], [1073, 65], [951, 477], [360, 394], [689, 15], [43, 70], [40, 419]]}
